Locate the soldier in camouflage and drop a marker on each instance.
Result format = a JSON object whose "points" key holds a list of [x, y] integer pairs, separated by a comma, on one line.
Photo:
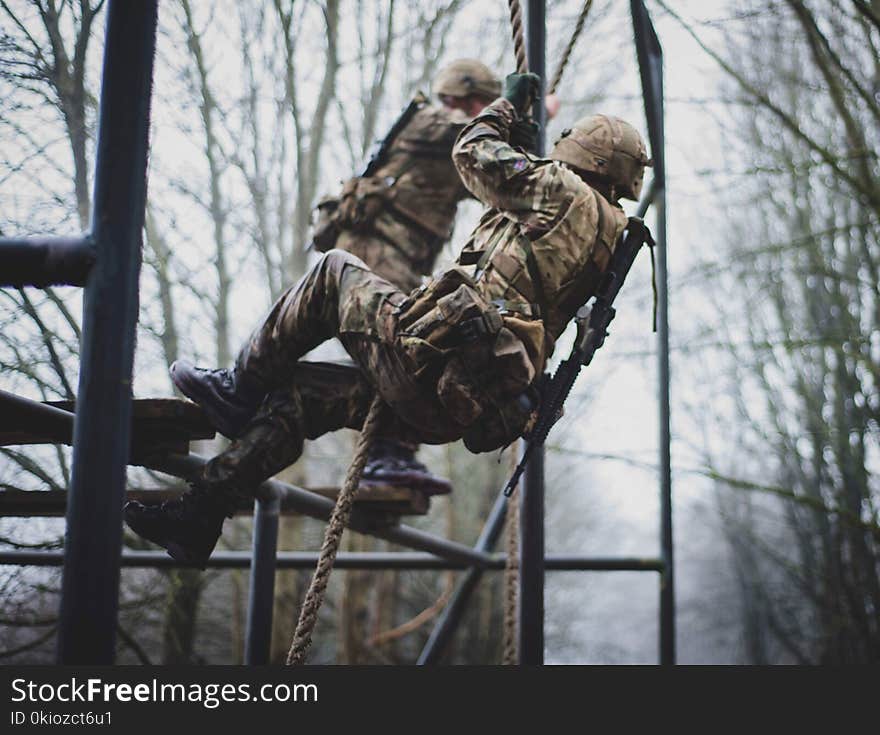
{"points": [[398, 217], [457, 357]]}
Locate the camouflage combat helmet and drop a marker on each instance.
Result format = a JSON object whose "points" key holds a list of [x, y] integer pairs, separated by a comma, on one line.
{"points": [[608, 147], [465, 77]]}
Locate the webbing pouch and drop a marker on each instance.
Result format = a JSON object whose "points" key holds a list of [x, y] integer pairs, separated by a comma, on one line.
{"points": [[502, 422], [457, 317]]}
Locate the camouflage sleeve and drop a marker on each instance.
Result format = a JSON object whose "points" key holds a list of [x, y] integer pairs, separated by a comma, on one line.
{"points": [[529, 190]]}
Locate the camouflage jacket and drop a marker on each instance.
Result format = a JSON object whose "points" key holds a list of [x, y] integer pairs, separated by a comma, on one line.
{"points": [[536, 206], [411, 199]]}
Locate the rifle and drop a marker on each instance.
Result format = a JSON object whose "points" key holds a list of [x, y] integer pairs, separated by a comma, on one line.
{"points": [[592, 321], [377, 153]]}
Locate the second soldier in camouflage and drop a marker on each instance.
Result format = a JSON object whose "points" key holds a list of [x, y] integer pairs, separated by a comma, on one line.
{"points": [[397, 215]]}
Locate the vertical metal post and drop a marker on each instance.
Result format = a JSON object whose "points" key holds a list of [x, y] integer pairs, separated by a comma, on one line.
{"points": [[531, 561], [258, 634], [650, 56], [667, 576], [90, 586]]}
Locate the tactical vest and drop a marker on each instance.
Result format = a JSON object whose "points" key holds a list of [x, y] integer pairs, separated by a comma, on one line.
{"points": [[411, 198], [482, 342], [544, 276]]}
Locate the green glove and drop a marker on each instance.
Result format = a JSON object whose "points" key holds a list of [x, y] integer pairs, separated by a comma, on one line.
{"points": [[521, 89]]}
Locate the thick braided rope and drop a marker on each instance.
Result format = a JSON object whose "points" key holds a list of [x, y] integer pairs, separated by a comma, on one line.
{"points": [[560, 68], [308, 615], [519, 41], [510, 647]]}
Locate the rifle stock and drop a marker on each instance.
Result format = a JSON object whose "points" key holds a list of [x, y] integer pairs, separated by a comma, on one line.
{"points": [[378, 152]]}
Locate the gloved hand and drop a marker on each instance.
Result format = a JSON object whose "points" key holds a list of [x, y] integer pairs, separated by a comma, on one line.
{"points": [[520, 90], [524, 134]]}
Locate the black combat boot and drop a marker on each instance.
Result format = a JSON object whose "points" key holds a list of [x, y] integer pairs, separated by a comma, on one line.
{"points": [[230, 398], [187, 526], [394, 463]]}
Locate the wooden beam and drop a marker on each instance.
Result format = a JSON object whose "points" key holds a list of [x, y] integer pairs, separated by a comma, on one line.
{"points": [[158, 425], [395, 501]]}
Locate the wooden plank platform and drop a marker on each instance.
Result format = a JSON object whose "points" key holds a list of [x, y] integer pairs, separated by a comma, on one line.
{"points": [[386, 499], [158, 425]]}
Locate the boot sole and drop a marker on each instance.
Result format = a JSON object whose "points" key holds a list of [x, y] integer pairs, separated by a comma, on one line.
{"points": [[417, 480]]}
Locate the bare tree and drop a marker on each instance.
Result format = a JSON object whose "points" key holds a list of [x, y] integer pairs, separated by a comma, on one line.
{"points": [[805, 404]]}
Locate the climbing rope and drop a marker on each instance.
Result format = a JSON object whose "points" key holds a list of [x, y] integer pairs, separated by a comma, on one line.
{"points": [[308, 615], [511, 580], [519, 41], [509, 655], [563, 62]]}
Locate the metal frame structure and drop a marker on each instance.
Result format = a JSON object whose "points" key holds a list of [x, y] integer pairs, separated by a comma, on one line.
{"points": [[107, 262]]}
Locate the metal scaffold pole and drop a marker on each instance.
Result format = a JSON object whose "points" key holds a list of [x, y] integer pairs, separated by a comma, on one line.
{"points": [[531, 493], [650, 57], [258, 630], [90, 586]]}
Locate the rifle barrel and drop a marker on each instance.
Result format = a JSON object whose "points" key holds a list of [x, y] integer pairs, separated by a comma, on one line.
{"points": [[595, 324]]}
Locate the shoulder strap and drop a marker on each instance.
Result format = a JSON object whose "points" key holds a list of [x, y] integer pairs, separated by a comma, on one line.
{"points": [[380, 149], [535, 275], [600, 222], [490, 248]]}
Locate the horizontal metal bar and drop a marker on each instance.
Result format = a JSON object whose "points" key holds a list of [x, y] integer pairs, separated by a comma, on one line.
{"points": [[401, 560], [379, 524], [573, 563], [53, 503], [374, 523], [46, 261], [34, 416]]}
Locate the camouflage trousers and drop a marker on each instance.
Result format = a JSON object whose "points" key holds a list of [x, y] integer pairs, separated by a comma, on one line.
{"points": [[340, 297], [393, 263]]}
